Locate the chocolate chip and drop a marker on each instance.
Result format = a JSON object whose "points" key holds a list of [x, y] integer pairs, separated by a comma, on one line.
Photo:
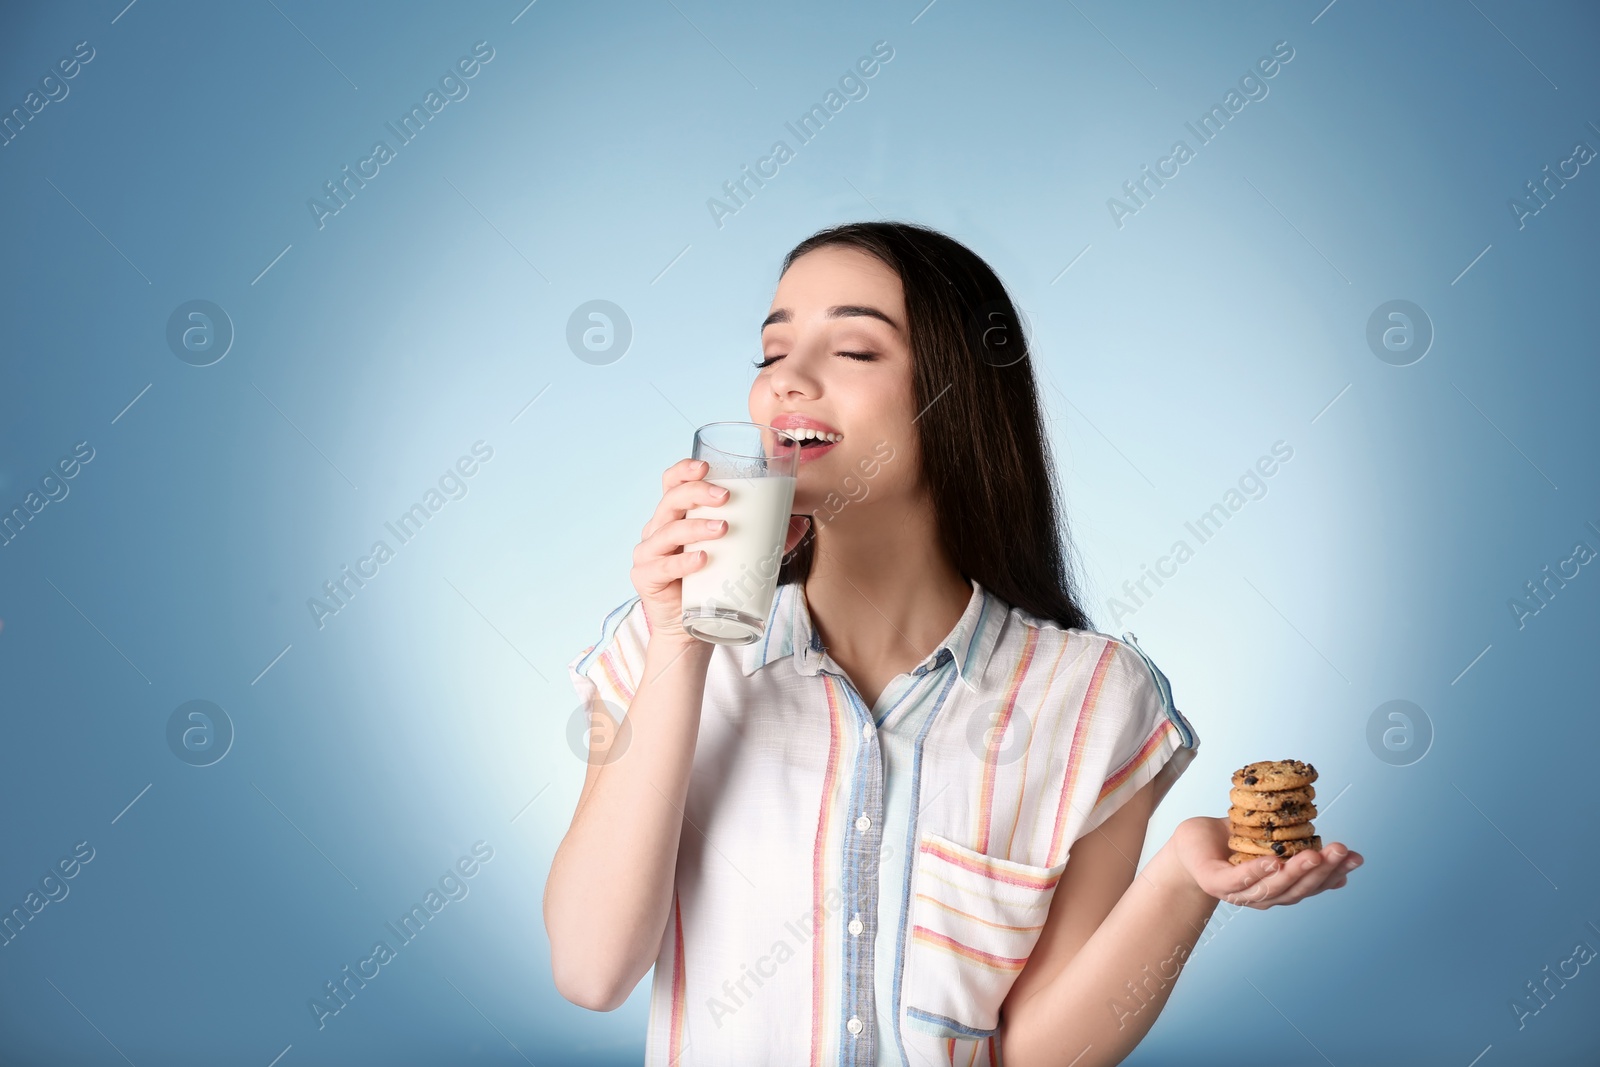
{"points": [[1249, 779]]}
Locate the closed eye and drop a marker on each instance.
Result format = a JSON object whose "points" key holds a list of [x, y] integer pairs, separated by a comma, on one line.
{"points": [[865, 357]]}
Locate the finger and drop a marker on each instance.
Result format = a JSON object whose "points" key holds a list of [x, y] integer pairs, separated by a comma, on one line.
{"points": [[1335, 859], [682, 471], [1314, 870], [670, 538], [1278, 878], [1338, 872], [663, 571], [675, 502], [695, 492], [1252, 871], [1303, 874], [1240, 883]]}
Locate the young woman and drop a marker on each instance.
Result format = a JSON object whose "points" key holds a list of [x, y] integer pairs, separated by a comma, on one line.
{"points": [[848, 842]]}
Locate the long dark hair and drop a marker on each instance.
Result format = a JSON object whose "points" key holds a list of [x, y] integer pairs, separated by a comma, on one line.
{"points": [[985, 456]]}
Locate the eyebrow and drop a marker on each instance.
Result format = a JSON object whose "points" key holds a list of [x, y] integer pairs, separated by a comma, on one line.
{"points": [[839, 312]]}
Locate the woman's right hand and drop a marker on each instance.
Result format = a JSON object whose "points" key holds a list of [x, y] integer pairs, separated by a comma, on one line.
{"points": [[660, 561]]}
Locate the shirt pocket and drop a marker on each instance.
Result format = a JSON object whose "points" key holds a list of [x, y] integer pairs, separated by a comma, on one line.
{"points": [[974, 920]]}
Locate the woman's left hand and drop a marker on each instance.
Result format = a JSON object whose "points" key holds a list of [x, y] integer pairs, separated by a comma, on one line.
{"points": [[1201, 847]]}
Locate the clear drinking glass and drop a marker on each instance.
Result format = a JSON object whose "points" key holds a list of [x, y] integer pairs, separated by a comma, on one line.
{"points": [[726, 601]]}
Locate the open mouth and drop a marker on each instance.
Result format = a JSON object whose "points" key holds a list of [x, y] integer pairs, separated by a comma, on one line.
{"points": [[813, 441]]}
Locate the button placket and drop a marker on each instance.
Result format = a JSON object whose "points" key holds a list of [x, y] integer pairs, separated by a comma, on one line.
{"points": [[862, 844], [863, 850]]}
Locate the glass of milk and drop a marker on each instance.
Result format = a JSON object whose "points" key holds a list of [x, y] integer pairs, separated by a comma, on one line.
{"points": [[726, 600]]}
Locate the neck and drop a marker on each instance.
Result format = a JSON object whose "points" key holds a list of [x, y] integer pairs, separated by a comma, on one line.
{"points": [[881, 588]]}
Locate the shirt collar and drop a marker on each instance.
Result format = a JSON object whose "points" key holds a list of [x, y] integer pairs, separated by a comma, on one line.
{"points": [[790, 633]]}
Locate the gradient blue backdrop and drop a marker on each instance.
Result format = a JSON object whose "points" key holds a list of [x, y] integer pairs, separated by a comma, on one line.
{"points": [[373, 748]]}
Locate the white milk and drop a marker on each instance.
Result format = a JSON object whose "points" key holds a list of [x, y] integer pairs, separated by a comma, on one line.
{"points": [[741, 569]]}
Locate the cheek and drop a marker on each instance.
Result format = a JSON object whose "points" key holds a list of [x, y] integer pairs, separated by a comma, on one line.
{"points": [[889, 454], [885, 467], [883, 410], [897, 476]]}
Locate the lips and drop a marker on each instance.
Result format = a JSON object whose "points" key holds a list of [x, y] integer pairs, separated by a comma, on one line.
{"points": [[793, 420], [810, 449], [811, 452]]}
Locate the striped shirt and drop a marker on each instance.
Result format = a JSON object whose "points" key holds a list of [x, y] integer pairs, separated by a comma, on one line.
{"points": [[863, 886]]}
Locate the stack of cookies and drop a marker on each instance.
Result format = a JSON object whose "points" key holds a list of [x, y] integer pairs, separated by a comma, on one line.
{"points": [[1272, 810]]}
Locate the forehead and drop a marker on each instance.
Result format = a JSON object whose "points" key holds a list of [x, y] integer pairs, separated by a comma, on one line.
{"points": [[836, 275]]}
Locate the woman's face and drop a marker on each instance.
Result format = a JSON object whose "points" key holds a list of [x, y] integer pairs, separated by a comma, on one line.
{"points": [[836, 351]]}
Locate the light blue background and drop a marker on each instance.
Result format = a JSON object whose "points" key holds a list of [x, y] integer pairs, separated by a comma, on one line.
{"points": [[432, 711]]}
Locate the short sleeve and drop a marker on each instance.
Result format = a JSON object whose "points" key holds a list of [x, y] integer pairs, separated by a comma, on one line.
{"points": [[609, 669], [1153, 741]]}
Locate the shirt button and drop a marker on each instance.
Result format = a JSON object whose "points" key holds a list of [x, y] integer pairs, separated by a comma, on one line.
{"points": [[863, 823], [866, 731], [855, 927], [854, 1025]]}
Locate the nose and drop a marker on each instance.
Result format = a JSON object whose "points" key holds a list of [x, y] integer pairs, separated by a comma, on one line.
{"points": [[795, 375]]}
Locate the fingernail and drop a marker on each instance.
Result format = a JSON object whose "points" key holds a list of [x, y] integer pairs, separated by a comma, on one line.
{"points": [[1312, 860]]}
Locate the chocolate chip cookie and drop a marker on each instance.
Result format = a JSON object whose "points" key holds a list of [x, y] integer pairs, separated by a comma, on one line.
{"points": [[1281, 849], [1271, 810], [1287, 816], [1271, 800], [1275, 774]]}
